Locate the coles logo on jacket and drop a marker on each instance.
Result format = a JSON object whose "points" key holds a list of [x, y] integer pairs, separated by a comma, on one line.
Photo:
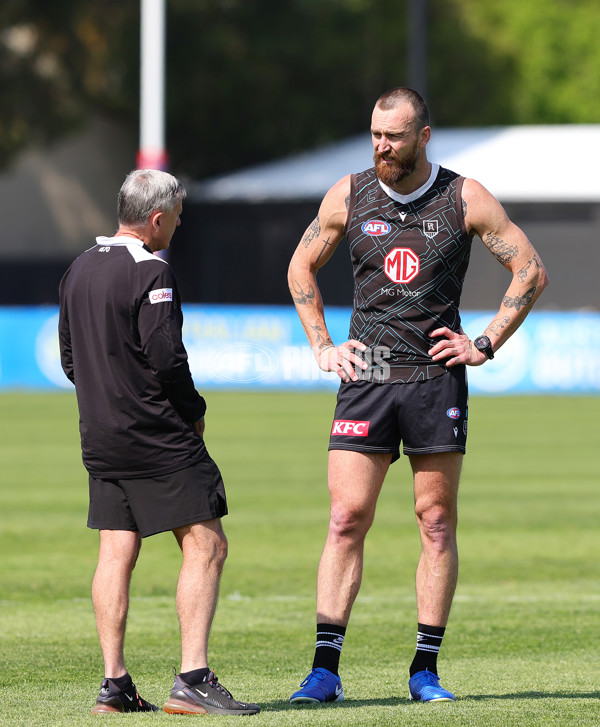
{"points": [[161, 295]]}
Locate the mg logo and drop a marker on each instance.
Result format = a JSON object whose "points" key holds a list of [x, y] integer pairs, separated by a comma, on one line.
{"points": [[401, 265]]}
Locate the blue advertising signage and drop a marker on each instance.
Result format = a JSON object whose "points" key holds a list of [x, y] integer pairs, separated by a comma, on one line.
{"points": [[264, 347]]}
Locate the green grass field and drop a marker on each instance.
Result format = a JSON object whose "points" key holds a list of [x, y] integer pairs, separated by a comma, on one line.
{"points": [[522, 643]]}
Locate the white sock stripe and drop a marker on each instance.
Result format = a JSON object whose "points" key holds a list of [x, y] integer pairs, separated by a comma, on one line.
{"points": [[428, 636], [330, 644], [428, 647], [329, 633]]}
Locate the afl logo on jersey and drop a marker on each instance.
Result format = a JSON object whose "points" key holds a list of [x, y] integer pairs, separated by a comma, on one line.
{"points": [[453, 412], [375, 227]]}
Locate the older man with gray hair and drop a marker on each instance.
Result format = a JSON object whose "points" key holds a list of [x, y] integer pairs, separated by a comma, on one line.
{"points": [[142, 439]]}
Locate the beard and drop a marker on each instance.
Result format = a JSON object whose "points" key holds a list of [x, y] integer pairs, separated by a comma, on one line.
{"points": [[394, 172]]}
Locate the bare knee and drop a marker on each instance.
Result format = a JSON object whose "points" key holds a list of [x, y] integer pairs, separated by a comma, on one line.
{"points": [[119, 550], [437, 524], [220, 552], [203, 543], [348, 524]]}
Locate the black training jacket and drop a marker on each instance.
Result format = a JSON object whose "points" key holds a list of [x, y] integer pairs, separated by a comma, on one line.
{"points": [[120, 344]]}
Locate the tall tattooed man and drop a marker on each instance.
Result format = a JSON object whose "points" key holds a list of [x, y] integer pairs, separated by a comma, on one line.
{"points": [[409, 224]]}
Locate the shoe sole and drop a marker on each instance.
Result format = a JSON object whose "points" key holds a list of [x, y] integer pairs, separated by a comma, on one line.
{"points": [[435, 699], [105, 709], [175, 706], [312, 700]]}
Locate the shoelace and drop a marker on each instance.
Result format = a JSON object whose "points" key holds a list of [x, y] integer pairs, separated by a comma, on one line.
{"points": [[214, 682], [313, 676]]}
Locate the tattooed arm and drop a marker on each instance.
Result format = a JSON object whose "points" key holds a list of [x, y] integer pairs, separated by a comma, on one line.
{"points": [[315, 249], [485, 217]]}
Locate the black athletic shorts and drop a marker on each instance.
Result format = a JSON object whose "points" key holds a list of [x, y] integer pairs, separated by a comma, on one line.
{"points": [[426, 416], [153, 505]]}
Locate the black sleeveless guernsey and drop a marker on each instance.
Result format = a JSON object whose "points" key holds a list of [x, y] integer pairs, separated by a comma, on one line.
{"points": [[410, 258]]}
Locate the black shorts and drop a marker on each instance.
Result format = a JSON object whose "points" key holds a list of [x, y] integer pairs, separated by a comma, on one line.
{"points": [[153, 505], [426, 416]]}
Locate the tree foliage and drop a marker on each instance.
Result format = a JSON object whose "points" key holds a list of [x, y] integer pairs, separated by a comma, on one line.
{"points": [[59, 61], [251, 81]]}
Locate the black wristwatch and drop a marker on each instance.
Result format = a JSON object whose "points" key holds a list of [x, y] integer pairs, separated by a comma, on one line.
{"points": [[483, 344]]}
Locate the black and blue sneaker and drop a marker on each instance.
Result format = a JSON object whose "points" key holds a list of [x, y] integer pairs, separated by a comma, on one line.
{"points": [[320, 685], [424, 686], [114, 699]]}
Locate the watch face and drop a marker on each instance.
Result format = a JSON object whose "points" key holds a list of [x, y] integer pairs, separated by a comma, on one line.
{"points": [[482, 342]]}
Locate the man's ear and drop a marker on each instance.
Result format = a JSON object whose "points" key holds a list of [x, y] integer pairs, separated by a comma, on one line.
{"points": [[155, 219]]}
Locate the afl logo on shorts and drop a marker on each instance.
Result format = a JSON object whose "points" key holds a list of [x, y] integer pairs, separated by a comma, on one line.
{"points": [[453, 412], [375, 227]]}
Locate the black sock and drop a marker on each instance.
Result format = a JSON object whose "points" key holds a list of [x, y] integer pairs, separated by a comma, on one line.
{"points": [[429, 640], [328, 649], [122, 682], [197, 676]]}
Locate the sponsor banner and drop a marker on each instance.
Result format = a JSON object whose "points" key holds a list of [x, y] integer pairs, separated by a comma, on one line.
{"points": [[264, 347]]}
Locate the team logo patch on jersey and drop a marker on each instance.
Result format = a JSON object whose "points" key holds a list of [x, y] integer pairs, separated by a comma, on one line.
{"points": [[453, 412], [430, 228], [350, 428], [375, 227], [401, 265], [161, 295]]}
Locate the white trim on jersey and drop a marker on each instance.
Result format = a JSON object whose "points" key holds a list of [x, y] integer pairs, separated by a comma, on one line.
{"points": [[406, 198], [133, 245]]}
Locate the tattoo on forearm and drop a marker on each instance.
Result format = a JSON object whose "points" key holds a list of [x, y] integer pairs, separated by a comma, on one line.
{"points": [[501, 250], [347, 202], [464, 207], [522, 274], [498, 325], [322, 341], [518, 301], [313, 231], [301, 296], [326, 244]]}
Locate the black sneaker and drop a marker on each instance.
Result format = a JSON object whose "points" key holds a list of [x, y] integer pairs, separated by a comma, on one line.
{"points": [[208, 697], [113, 699]]}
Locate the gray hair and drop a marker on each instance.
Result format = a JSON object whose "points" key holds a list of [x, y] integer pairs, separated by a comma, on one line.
{"points": [[143, 192]]}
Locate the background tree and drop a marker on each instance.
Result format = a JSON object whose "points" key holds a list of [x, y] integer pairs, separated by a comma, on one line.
{"points": [[252, 81]]}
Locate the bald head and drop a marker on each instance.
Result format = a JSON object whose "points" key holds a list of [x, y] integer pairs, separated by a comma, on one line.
{"points": [[396, 97]]}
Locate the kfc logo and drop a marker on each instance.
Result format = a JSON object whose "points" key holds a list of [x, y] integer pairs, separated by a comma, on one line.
{"points": [[161, 295], [350, 428], [401, 265]]}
